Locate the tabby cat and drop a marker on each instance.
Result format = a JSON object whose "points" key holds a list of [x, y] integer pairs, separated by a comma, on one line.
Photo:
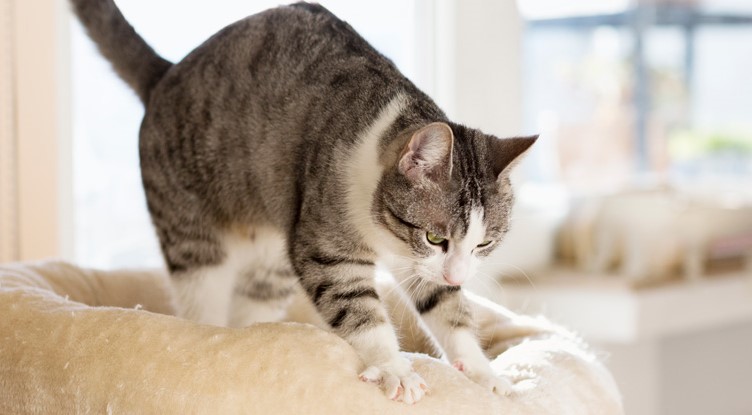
{"points": [[286, 152]]}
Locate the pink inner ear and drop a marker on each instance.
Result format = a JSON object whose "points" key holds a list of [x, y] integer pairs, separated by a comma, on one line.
{"points": [[428, 152]]}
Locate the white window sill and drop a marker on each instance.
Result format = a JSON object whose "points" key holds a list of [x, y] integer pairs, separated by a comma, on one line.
{"points": [[610, 309]]}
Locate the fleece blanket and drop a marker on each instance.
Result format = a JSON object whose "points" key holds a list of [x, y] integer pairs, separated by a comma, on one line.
{"points": [[76, 340]]}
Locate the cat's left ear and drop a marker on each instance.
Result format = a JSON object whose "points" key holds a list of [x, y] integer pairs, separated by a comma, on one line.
{"points": [[507, 152], [428, 154]]}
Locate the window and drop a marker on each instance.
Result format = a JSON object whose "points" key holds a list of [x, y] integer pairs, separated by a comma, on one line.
{"points": [[641, 91]]}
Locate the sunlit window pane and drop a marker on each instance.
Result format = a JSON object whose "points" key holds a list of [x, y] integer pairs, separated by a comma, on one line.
{"points": [[645, 91]]}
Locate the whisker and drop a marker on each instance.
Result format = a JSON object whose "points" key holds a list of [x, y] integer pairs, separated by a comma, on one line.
{"points": [[519, 271], [497, 318]]}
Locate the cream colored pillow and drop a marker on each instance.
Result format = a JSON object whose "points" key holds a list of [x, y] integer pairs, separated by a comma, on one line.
{"points": [[82, 341]]}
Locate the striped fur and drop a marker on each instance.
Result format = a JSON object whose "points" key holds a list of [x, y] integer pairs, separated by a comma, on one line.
{"points": [[286, 153]]}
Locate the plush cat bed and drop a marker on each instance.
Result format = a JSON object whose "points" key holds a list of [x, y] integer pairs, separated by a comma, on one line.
{"points": [[79, 341]]}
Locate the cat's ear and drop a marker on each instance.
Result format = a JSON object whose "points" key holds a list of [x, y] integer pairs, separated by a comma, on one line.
{"points": [[506, 152], [428, 154]]}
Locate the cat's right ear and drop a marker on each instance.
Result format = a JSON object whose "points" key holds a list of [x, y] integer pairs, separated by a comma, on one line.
{"points": [[507, 152], [428, 154]]}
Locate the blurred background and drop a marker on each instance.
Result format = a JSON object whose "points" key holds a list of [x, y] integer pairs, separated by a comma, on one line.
{"points": [[633, 222]]}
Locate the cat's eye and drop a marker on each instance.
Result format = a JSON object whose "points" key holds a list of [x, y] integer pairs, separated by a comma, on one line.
{"points": [[434, 239], [484, 244]]}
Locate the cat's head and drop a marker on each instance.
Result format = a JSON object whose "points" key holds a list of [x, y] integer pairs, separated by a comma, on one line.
{"points": [[445, 197]]}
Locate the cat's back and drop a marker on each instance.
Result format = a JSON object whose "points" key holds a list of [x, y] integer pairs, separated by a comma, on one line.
{"points": [[296, 49], [277, 91], [291, 71]]}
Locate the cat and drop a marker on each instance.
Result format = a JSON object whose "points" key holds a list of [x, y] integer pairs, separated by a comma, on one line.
{"points": [[286, 152]]}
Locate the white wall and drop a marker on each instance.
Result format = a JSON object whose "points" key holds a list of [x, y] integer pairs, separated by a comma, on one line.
{"points": [[706, 370], [477, 71], [699, 373]]}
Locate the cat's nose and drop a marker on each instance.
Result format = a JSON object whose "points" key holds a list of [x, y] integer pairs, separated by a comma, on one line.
{"points": [[453, 279]]}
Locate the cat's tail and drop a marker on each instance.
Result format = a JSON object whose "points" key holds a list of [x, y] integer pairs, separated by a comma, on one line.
{"points": [[133, 59]]}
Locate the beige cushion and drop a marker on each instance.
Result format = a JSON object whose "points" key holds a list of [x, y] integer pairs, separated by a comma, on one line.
{"points": [[79, 341]]}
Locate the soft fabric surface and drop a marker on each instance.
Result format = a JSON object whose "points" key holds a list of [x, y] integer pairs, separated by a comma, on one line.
{"points": [[80, 341]]}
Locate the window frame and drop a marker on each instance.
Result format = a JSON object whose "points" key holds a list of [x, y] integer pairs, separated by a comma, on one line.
{"points": [[42, 139]]}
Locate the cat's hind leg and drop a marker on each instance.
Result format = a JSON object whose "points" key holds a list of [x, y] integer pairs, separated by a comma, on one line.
{"points": [[266, 283], [203, 275], [195, 246]]}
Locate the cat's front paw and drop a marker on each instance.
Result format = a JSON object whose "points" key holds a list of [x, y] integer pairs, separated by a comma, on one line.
{"points": [[399, 385], [485, 378]]}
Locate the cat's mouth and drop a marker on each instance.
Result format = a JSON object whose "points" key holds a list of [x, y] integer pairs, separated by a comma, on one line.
{"points": [[424, 274]]}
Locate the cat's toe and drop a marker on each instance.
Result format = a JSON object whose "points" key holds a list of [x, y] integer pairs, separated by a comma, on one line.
{"points": [[498, 385], [408, 388], [486, 378]]}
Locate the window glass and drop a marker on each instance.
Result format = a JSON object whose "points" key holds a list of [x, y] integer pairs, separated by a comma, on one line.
{"points": [[641, 92]]}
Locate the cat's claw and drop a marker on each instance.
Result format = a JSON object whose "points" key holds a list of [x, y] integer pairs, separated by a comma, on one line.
{"points": [[486, 378], [409, 388], [494, 383]]}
